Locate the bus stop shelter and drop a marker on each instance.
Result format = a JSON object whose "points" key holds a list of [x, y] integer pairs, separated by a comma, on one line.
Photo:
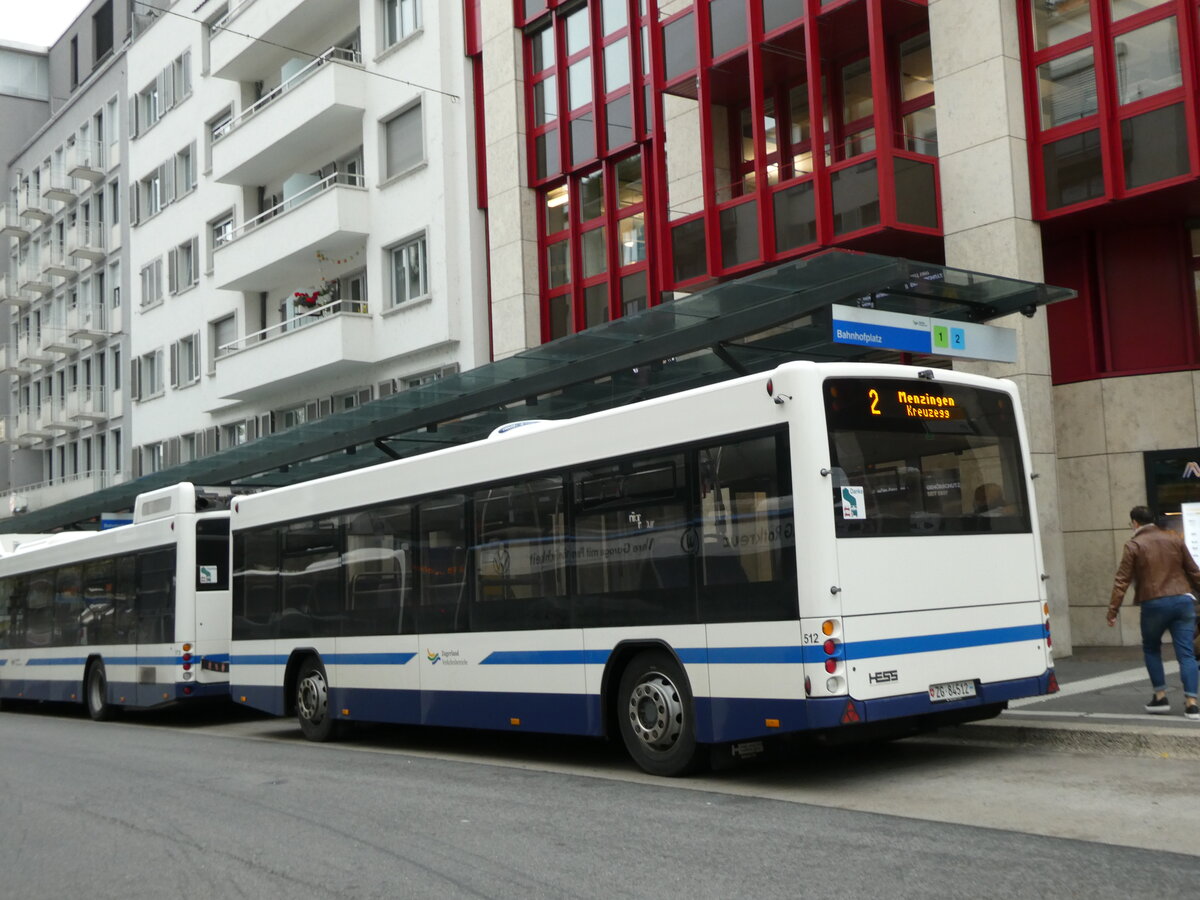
{"points": [[738, 327]]}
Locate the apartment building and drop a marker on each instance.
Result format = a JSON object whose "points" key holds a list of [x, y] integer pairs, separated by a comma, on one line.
{"points": [[305, 235], [63, 287]]}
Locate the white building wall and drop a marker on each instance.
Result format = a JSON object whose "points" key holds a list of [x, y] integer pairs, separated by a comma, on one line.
{"points": [[348, 226]]}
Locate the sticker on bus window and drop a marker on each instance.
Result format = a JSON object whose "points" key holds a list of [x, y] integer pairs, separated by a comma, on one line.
{"points": [[208, 574], [853, 504]]}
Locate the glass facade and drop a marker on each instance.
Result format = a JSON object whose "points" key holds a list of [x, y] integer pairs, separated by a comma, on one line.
{"points": [[672, 148]]}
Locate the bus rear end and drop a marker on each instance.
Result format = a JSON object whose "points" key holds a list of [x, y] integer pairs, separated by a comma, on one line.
{"points": [[941, 603]]}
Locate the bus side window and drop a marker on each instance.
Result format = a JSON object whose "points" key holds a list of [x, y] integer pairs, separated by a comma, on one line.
{"points": [[442, 564], [99, 579], [125, 617], [747, 531], [519, 556], [154, 600], [378, 564], [256, 604]]}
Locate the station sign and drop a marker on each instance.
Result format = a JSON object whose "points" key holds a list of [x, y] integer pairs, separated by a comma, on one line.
{"points": [[909, 333]]}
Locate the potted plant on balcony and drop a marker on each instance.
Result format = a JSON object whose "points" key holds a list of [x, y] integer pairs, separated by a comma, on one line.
{"points": [[309, 301]]}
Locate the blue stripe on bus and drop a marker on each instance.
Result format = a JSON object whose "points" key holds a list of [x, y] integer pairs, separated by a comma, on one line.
{"points": [[368, 659], [108, 660], [956, 640], [546, 658]]}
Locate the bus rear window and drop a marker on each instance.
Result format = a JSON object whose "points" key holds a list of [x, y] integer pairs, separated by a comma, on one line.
{"points": [[212, 554], [922, 458]]}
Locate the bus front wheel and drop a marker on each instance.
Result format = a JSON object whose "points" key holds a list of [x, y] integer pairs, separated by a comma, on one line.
{"points": [[656, 715], [96, 693], [312, 701]]}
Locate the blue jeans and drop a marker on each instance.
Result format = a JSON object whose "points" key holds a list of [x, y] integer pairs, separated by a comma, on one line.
{"points": [[1177, 613]]}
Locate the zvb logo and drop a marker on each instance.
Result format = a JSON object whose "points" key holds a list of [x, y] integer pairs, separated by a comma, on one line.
{"points": [[1191, 470], [433, 656]]}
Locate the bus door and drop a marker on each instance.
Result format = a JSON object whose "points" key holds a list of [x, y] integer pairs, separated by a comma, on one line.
{"points": [[939, 572]]}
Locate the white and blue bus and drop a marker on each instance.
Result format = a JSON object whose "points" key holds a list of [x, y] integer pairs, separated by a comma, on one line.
{"points": [[136, 616], [812, 549]]}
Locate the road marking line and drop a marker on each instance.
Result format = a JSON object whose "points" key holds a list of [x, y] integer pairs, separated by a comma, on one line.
{"points": [[1099, 683]]}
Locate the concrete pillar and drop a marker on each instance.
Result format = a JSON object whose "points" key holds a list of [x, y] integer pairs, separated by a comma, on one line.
{"points": [[512, 218], [987, 217]]}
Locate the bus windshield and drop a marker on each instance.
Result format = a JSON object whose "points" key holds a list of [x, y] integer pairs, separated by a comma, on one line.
{"points": [[914, 457]]}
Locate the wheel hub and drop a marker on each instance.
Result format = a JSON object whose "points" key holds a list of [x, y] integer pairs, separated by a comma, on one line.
{"points": [[656, 712], [312, 697]]}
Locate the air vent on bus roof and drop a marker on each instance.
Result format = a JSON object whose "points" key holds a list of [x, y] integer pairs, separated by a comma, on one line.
{"points": [[523, 425]]}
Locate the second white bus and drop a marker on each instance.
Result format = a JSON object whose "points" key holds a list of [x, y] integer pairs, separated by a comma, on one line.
{"points": [[136, 616]]}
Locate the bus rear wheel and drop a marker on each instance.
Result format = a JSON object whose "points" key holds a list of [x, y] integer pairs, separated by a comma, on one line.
{"points": [[657, 716], [96, 693], [312, 701]]}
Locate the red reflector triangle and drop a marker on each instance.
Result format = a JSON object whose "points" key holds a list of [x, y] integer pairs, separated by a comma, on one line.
{"points": [[850, 716], [1052, 687]]}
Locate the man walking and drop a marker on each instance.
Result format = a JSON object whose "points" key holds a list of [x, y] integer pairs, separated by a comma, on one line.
{"points": [[1163, 571]]}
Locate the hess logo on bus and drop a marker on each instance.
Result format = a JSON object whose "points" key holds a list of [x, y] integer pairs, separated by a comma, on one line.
{"points": [[883, 677]]}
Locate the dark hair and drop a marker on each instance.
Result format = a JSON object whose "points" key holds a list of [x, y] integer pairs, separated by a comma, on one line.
{"points": [[1141, 515]]}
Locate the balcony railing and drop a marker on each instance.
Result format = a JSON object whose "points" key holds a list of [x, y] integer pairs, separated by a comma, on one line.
{"points": [[57, 261], [236, 8], [56, 490], [333, 54], [304, 320], [59, 185], [91, 238], [11, 293], [31, 206], [88, 161], [299, 199], [11, 224]]}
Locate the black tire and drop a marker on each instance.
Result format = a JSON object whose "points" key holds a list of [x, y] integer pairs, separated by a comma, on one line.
{"points": [[312, 702], [657, 715], [95, 693]]}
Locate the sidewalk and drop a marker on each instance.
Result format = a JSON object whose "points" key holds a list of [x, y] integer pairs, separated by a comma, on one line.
{"points": [[1099, 708]]}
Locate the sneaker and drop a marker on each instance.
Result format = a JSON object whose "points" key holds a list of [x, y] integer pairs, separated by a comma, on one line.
{"points": [[1158, 705], [1192, 711]]}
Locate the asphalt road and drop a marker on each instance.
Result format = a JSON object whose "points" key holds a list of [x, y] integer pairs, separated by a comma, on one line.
{"points": [[225, 805]]}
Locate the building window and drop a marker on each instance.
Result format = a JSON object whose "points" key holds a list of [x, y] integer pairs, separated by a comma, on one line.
{"points": [[182, 269], [223, 336], [410, 280], [102, 31], [151, 278], [400, 19], [404, 142], [233, 434], [185, 170], [185, 361], [147, 372]]}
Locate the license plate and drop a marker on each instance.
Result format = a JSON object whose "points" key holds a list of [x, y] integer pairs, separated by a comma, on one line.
{"points": [[951, 690]]}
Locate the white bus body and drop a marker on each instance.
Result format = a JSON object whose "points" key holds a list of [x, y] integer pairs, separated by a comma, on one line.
{"points": [[656, 570], [135, 616]]}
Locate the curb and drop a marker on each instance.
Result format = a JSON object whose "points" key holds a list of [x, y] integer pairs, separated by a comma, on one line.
{"points": [[1120, 740]]}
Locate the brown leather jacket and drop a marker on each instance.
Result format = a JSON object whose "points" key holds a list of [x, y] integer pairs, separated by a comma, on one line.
{"points": [[1159, 564]]}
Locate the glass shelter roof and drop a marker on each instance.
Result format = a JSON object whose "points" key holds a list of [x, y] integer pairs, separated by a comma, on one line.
{"points": [[747, 325]]}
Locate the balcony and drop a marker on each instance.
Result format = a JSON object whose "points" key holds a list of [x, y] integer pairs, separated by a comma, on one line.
{"points": [[11, 293], [30, 354], [12, 226], [281, 246], [88, 161], [31, 206], [10, 363], [316, 112], [59, 185], [259, 34], [89, 323], [87, 405], [30, 278], [58, 262], [329, 343], [60, 418], [57, 339], [91, 238], [31, 427], [47, 493]]}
